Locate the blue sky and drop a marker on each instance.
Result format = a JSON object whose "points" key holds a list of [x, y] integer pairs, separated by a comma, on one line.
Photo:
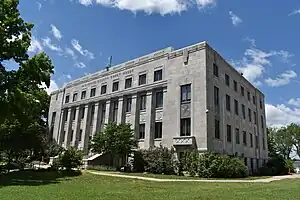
{"points": [[260, 38]]}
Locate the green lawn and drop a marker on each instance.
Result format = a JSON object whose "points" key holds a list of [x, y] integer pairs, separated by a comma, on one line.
{"points": [[48, 186]]}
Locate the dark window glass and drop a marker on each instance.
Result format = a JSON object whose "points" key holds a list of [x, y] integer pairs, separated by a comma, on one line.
{"points": [[115, 107], [227, 80], [216, 96], [143, 102], [82, 112], [249, 115], [217, 129], [229, 135], [235, 85], [128, 104], [74, 114], [53, 118], [243, 111], [248, 95], [185, 127], [256, 141], [158, 75], [83, 94], [80, 135], [142, 79], [236, 107], [115, 86], [260, 104], [103, 89], [251, 139], [159, 99], [67, 99], [72, 133], [228, 107], [262, 122], [242, 91], [63, 136], [158, 130], [186, 93], [255, 117], [66, 115], [244, 138], [128, 83], [216, 70], [237, 136], [142, 131], [75, 97], [254, 100], [93, 92]]}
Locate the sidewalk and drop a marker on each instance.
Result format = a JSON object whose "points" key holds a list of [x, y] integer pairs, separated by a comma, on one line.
{"points": [[267, 180]]}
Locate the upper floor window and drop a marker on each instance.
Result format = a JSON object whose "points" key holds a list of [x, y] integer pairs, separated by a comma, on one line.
{"points": [[142, 131], [158, 130], [115, 86], [115, 107], [93, 92], [227, 80], [128, 83], [83, 94], [235, 86], [53, 118], [243, 111], [128, 104], [143, 102], [186, 93], [159, 99], [228, 106], [74, 114], [249, 115], [244, 138], [217, 129], [103, 89], [82, 112], [67, 99], [236, 107], [75, 97], [242, 91], [185, 127], [248, 95], [255, 117], [216, 70], [251, 139], [254, 100], [216, 96], [260, 104], [237, 136], [142, 79], [158, 75], [229, 135]]}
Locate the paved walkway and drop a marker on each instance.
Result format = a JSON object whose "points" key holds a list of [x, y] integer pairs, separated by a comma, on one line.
{"points": [[267, 180]]}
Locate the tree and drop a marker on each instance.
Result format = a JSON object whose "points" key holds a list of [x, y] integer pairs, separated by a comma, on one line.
{"points": [[71, 158], [272, 147], [284, 142], [294, 130], [117, 140]]}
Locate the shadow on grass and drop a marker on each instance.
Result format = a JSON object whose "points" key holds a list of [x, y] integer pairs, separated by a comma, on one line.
{"points": [[35, 177]]}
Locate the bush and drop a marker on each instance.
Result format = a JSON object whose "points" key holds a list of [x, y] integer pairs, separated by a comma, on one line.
{"points": [[71, 158], [211, 165], [276, 166], [138, 163]]}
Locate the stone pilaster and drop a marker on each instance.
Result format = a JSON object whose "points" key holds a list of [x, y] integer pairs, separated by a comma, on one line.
{"points": [[148, 142]]}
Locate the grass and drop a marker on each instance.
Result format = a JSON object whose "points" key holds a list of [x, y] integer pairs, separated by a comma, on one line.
{"points": [[32, 186]]}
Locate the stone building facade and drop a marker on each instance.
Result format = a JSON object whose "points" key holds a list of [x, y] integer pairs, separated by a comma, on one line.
{"points": [[189, 98]]}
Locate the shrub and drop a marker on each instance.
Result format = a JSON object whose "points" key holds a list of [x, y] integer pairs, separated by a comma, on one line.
{"points": [[71, 158], [276, 166], [138, 163]]}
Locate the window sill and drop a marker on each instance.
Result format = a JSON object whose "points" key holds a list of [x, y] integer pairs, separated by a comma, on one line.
{"points": [[141, 140], [143, 111], [157, 139], [159, 108]]}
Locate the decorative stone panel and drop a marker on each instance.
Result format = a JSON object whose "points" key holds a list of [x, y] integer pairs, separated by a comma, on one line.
{"points": [[185, 110], [184, 140]]}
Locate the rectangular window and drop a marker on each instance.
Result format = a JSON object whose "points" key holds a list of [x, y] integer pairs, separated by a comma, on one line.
{"points": [[115, 86], [93, 92], [251, 163], [75, 97], [92, 114], [227, 80], [242, 91], [228, 107], [67, 99], [262, 122], [255, 117], [74, 114], [260, 104], [128, 83], [83, 94], [251, 139], [72, 133], [254, 100], [158, 130], [217, 129], [82, 112], [103, 113], [237, 136], [128, 103], [246, 162], [115, 107], [103, 89], [53, 118], [158, 75], [142, 131], [159, 99], [80, 135], [245, 138], [185, 127], [249, 115], [229, 135], [248, 95], [243, 111], [235, 86], [66, 115], [63, 136], [216, 70], [143, 102], [186, 93], [256, 141], [236, 107], [142, 79], [216, 96]]}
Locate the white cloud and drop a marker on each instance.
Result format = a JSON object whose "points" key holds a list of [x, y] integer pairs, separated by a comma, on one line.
{"points": [[294, 102], [35, 46], [70, 52], [162, 7], [48, 43], [56, 32], [84, 52], [295, 12], [53, 87], [236, 20], [69, 76], [39, 5], [80, 65], [281, 115], [283, 79]]}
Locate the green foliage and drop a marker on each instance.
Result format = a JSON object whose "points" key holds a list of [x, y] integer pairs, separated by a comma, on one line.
{"points": [[71, 158], [275, 166], [211, 165], [138, 162]]}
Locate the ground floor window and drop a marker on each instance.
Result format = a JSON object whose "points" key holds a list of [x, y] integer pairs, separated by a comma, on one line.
{"points": [[185, 127]]}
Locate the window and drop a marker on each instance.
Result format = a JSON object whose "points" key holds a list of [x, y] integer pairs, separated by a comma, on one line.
{"points": [[246, 162], [216, 70], [242, 91], [251, 163], [185, 127], [128, 83], [235, 85], [229, 133], [53, 118], [103, 113], [158, 130], [158, 75], [82, 112], [80, 135], [243, 111], [83, 94], [74, 114], [63, 136], [159, 99], [66, 115], [56, 96], [260, 104], [92, 114], [142, 131], [256, 141], [248, 95], [254, 100], [115, 86], [72, 133], [186, 93], [143, 102], [128, 104], [255, 117], [93, 92], [103, 89], [264, 144], [244, 138], [217, 129], [262, 122], [236, 107], [228, 103], [142, 79], [67, 99], [115, 107], [227, 80], [75, 97], [249, 115], [216, 96], [251, 139], [237, 136]]}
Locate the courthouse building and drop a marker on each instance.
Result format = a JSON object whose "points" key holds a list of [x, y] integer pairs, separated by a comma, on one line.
{"points": [[189, 98]]}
